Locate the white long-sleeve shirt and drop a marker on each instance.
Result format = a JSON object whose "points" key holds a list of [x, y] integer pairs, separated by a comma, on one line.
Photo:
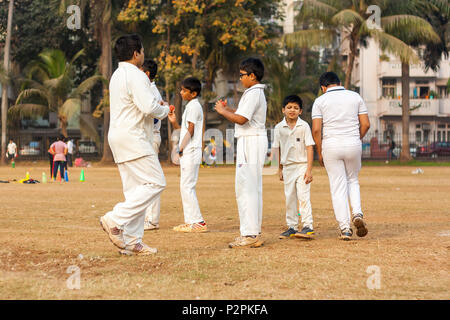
{"points": [[131, 102]]}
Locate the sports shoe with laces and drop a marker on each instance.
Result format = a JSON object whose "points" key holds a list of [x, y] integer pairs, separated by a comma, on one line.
{"points": [[306, 233], [139, 249], [247, 241], [287, 234], [150, 226], [192, 227], [346, 234], [114, 233], [360, 225]]}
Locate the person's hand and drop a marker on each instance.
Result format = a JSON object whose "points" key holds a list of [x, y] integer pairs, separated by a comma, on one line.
{"points": [[321, 160], [221, 106], [280, 174], [308, 177], [172, 117]]}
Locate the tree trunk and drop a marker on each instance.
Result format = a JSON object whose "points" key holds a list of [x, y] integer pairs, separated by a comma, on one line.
{"points": [[350, 63], [105, 65], [405, 155], [5, 87]]}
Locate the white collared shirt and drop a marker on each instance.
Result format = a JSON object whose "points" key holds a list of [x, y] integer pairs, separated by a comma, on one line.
{"points": [[339, 109], [253, 107], [193, 112], [12, 148], [293, 142], [131, 102]]}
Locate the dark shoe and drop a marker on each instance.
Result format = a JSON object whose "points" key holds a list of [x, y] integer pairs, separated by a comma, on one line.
{"points": [[346, 234], [288, 233], [306, 233], [360, 225]]}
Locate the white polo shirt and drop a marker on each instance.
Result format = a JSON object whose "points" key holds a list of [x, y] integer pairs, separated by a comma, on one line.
{"points": [[131, 102], [293, 142], [339, 109], [253, 107], [193, 112]]}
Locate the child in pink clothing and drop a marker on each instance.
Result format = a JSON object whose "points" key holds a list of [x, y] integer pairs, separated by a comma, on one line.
{"points": [[59, 150]]}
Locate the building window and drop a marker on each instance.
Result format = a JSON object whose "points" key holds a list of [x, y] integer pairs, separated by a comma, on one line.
{"points": [[418, 136], [423, 89], [389, 86], [443, 92]]}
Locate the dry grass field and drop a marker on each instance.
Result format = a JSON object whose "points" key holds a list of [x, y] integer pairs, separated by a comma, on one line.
{"points": [[46, 228]]}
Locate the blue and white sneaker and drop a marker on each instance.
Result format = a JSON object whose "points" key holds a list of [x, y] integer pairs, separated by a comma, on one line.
{"points": [[346, 234], [288, 233], [306, 233]]}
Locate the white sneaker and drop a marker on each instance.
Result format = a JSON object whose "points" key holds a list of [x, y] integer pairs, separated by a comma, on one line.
{"points": [[114, 233], [139, 249], [150, 226]]}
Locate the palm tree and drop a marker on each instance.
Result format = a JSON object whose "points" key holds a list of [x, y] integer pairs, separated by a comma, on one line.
{"points": [[49, 87], [352, 18], [412, 30], [284, 80]]}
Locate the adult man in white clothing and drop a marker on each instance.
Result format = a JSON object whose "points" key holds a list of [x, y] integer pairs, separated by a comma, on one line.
{"points": [[131, 105], [344, 118]]}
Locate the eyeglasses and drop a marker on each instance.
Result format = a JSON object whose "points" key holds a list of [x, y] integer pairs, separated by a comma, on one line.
{"points": [[242, 74]]}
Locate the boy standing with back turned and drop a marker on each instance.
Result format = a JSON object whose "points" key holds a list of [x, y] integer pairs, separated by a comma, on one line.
{"points": [[250, 131], [295, 145]]}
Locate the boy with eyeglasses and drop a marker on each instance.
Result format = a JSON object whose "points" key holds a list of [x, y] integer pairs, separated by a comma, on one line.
{"points": [[250, 131]]}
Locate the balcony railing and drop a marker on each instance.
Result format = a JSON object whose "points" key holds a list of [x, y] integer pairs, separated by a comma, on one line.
{"points": [[418, 107]]}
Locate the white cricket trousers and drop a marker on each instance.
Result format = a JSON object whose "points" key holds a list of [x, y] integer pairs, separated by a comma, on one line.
{"points": [[297, 192], [153, 211], [189, 167], [250, 155], [143, 180], [343, 165]]}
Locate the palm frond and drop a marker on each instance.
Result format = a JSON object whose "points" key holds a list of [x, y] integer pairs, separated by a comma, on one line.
{"points": [[87, 85], [309, 38], [88, 129], [409, 28], [347, 17], [30, 110], [70, 108], [30, 93], [318, 9], [395, 46]]}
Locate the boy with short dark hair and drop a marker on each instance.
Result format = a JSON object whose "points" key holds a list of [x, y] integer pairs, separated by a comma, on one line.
{"points": [[131, 101], [293, 139], [190, 152], [153, 127], [250, 131]]}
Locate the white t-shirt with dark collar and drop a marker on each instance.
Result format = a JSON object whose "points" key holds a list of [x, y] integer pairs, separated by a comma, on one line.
{"points": [[253, 107], [293, 142], [339, 109], [193, 112]]}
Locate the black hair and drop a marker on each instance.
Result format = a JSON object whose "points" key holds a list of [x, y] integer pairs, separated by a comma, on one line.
{"points": [[193, 85], [329, 78], [294, 99], [253, 65], [150, 66], [126, 46]]}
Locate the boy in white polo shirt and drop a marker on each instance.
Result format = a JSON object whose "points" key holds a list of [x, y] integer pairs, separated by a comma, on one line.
{"points": [[153, 127], [294, 141], [250, 131], [340, 120], [190, 151]]}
